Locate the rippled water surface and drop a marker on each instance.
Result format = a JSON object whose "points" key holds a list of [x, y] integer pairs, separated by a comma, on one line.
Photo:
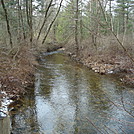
{"points": [[70, 99]]}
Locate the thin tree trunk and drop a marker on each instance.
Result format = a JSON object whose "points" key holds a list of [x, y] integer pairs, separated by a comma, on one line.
{"points": [[31, 20], [123, 17], [22, 23], [7, 23], [81, 30], [27, 12], [52, 22], [45, 18], [120, 43], [111, 17], [81, 26], [19, 23], [54, 32], [76, 25], [110, 7]]}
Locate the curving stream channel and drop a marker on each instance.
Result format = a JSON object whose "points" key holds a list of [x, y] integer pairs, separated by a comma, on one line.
{"points": [[70, 99]]}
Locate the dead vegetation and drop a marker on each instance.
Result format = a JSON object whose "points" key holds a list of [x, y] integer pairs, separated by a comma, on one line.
{"points": [[16, 71], [106, 57]]}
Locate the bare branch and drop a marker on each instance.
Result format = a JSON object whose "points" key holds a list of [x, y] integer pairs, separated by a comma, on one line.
{"points": [[45, 18], [7, 22], [120, 43], [52, 22]]}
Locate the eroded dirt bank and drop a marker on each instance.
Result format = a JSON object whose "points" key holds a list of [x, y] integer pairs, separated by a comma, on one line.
{"points": [[16, 74]]}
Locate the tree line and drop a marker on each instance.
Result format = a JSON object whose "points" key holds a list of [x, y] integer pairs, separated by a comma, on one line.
{"points": [[59, 21]]}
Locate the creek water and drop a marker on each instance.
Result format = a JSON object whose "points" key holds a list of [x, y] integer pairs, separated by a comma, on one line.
{"points": [[71, 99]]}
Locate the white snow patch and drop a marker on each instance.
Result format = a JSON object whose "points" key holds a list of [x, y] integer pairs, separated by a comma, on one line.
{"points": [[4, 105]]}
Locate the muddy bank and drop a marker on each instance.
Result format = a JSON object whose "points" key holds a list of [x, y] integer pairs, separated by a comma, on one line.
{"points": [[17, 69], [16, 75], [106, 64]]}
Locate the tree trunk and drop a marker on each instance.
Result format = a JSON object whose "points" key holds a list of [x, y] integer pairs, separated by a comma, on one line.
{"points": [[123, 17], [52, 22], [76, 25], [81, 26], [54, 32], [19, 23], [27, 12], [7, 23], [31, 20], [45, 18], [22, 23]]}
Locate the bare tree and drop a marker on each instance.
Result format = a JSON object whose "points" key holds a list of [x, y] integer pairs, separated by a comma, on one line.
{"points": [[20, 20], [49, 28], [76, 24], [45, 18], [7, 22], [31, 20], [120, 43]]}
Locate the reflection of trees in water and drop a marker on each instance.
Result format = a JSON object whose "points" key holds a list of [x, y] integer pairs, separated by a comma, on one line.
{"points": [[93, 106], [46, 75], [98, 96], [48, 72], [90, 100], [115, 113], [88, 106], [79, 98], [23, 117]]}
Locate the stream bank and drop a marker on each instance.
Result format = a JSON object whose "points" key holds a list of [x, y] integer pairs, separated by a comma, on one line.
{"points": [[16, 76], [59, 83], [106, 64], [71, 99]]}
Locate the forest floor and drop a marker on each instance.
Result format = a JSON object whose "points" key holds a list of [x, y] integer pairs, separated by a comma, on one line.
{"points": [[106, 63], [16, 74]]}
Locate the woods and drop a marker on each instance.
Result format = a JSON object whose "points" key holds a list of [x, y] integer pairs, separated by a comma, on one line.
{"points": [[97, 19], [99, 34]]}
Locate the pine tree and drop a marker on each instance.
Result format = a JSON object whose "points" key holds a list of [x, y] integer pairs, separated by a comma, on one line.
{"points": [[122, 13]]}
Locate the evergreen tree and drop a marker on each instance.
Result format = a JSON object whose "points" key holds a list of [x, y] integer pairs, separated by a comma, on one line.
{"points": [[123, 13]]}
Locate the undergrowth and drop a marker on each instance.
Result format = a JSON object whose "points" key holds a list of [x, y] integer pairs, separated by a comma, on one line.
{"points": [[16, 71], [106, 56]]}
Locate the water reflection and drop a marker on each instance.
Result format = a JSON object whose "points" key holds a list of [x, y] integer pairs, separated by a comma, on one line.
{"points": [[23, 116], [70, 99]]}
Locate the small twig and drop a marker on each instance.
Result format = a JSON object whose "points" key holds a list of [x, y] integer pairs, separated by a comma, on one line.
{"points": [[95, 126], [106, 130], [14, 57], [125, 107], [120, 108], [110, 130], [128, 123], [122, 130]]}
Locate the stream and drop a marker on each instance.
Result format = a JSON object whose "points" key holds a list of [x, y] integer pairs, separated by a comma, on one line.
{"points": [[71, 99]]}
